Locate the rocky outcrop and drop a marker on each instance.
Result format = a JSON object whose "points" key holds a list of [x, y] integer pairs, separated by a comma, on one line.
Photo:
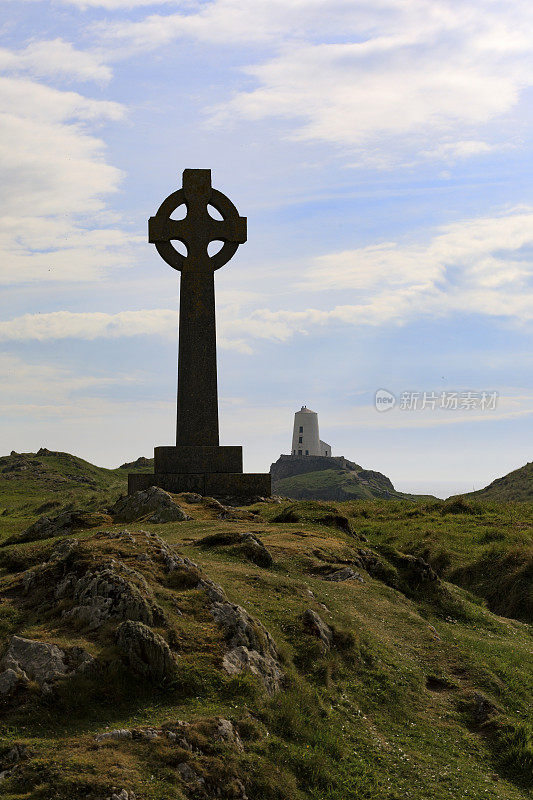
{"points": [[251, 647], [90, 593], [107, 592], [248, 543], [60, 525], [42, 662], [344, 574], [314, 623], [145, 652], [255, 551], [286, 466], [151, 505]]}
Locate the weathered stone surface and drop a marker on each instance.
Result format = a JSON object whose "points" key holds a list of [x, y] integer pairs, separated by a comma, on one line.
{"points": [[152, 505], [225, 732], [9, 680], [255, 550], [189, 775], [107, 592], [249, 544], [191, 497], [344, 574], [146, 653], [119, 733], [47, 527], [251, 647], [316, 625], [39, 661], [122, 794]]}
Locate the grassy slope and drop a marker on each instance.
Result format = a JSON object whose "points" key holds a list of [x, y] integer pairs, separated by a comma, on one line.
{"points": [[39, 483], [517, 485], [388, 714], [332, 484]]}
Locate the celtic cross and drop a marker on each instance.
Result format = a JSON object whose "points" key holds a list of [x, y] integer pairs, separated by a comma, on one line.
{"points": [[197, 420]]}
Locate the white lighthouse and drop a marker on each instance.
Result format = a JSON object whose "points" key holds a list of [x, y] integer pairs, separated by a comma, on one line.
{"points": [[305, 438]]}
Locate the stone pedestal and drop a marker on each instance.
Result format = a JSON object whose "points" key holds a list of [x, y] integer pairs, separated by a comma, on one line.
{"points": [[207, 470], [213, 484]]}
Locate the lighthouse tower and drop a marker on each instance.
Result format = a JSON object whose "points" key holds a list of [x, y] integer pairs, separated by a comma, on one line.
{"points": [[305, 438]]}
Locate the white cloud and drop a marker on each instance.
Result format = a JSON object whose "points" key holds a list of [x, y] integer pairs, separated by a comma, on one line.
{"points": [[55, 178], [89, 325], [428, 75], [55, 57], [477, 266], [482, 266], [38, 384]]}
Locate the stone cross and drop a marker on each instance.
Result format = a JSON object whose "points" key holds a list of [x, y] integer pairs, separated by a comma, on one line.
{"points": [[197, 422], [197, 463]]}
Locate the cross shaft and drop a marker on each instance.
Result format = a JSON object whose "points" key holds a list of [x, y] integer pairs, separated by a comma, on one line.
{"points": [[197, 413]]}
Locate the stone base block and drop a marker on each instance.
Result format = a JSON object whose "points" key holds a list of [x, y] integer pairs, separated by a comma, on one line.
{"points": [[182, 460], [207, 484]]}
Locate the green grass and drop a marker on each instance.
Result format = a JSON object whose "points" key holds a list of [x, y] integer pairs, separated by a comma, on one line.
{"points": [[388, 712], [516, 486], [336, 484]]}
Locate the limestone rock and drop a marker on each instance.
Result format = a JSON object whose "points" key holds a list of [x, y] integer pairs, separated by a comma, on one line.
{"points": [[146, 653], [255, 550], [64, 523], [151, 505], [316, 625], [250, 545], [225, 732], [122, 794], [251, 647], [267, 669], [191, 497], [344, 574], [189, 775], [9, 680], [107, 592], [120, 733], [39, 661]]}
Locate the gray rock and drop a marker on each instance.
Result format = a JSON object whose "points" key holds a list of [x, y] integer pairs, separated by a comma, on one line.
{"points": [[146, 653], [9, 680], [41, 662], [17, 753], [344, 574], [120, 733], [254, 549], [107, 592], [266, 668], [225, 732], [123, 794], [251, 647], [66, 522], [214, 592], [189, 775], [191, 497], [316, 625], [152, 505]]}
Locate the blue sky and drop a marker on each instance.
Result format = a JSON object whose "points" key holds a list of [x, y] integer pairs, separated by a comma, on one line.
{"points": [[381, 152]]}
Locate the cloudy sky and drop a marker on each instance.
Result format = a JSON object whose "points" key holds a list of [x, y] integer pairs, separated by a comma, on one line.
{"points": [[381, 152]]}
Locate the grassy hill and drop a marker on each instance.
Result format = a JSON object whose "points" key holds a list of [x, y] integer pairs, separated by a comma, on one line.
{"points": [[421, 689], [337, 484], [517, 485], [46, 481]]}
